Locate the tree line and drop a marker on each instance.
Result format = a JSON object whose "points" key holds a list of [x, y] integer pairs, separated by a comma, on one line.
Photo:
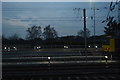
{"points": [[49, 36], [48, 32]]}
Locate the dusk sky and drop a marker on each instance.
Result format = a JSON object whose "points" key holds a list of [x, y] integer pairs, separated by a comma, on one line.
{"points": [[18, 16]]}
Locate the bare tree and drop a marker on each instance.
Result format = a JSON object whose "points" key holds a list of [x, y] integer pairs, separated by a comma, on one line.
{"points": [[49, 33], [112, 29], [33, 32], [14, 37], [81, 33], [3, 37]]}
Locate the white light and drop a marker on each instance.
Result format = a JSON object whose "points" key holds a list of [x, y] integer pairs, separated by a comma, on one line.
{"points": [[15, 48], [8, 48], [106, 57], [89, 46], [39, 46], [86, 17], [96, 46], [49, 58], [66, 47], [83, 17], [5, 47]]}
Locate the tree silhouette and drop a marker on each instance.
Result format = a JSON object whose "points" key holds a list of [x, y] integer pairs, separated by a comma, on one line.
{"points": [[14, 37], [33, 32], [112, 29], [81, 33], [4, 37], [49, 33]]}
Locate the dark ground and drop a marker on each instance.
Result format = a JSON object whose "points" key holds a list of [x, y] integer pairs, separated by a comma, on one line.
{"points": [[62, 65]]}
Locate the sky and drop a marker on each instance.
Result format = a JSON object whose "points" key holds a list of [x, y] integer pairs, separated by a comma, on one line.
{"points": [[18, 16], [0, 19], [58, 0]]}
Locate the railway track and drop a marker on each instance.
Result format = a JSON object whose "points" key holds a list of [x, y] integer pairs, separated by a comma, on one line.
{"points": [[59, 67]]}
